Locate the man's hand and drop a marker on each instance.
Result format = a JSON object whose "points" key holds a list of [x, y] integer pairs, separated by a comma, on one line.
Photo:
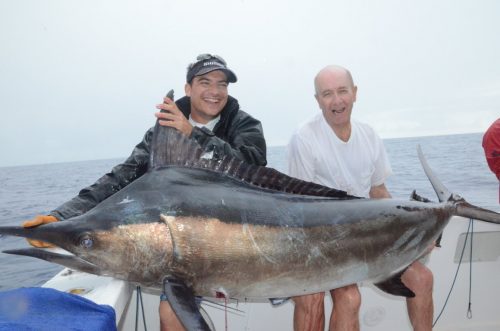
{"points": [[39, 220], [379, 192], [173, 117]]}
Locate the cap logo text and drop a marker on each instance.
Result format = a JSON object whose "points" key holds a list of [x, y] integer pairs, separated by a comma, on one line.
{"points": [[212, 63]]}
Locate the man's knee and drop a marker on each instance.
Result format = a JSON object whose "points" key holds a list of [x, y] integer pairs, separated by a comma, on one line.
{"points": [[309, 301], [348, 297], [418, 278]]}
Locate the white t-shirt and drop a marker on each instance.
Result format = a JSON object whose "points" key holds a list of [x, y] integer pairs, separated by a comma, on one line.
{"points": [[316, 154]]}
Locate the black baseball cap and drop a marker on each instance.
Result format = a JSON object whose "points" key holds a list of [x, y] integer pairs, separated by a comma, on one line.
{"points": [[206, 63]]}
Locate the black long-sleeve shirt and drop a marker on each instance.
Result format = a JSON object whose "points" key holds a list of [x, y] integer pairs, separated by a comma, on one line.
{"points": [[236, 134]]}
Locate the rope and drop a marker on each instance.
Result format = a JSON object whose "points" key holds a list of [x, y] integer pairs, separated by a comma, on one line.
{"points": [[456, 274], [469, 309], [137, 303], [225, 312]]}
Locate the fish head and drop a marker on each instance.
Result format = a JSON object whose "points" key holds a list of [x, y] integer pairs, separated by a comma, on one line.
{"points": [[129, 250]]}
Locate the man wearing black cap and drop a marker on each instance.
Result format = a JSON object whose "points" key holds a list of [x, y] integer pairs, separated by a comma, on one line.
{"points": [[213, 118], [207, 114]]}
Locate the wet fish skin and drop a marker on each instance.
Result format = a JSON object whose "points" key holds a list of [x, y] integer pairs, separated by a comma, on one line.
{"points": [[221, 235]]}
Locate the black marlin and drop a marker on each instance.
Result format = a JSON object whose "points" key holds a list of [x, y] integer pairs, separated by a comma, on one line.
{"points": [[198, 226]]}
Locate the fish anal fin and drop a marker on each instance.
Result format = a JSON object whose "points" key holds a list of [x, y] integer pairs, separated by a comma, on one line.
{"points": [[182, 300], [395, 286]]}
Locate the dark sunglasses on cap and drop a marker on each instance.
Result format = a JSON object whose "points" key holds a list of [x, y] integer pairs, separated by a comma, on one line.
{"points": [[206, 56]]}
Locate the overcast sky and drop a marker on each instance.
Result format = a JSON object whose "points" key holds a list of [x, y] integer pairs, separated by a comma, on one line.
{"points": [[79, 79]]}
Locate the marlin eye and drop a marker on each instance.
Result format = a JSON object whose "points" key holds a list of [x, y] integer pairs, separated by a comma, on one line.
{"points": [[86, 241]]}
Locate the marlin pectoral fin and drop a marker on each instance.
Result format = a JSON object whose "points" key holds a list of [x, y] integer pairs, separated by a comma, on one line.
{"points": [[395, 286], [70, 261], [183, 302]]}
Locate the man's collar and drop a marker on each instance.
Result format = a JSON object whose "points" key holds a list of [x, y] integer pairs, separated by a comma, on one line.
{"points": [[209, 125]]}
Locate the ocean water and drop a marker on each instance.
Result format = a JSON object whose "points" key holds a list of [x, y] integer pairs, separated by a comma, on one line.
{"points": [[26, 191]]}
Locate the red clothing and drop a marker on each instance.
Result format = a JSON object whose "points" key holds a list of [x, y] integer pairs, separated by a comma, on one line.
{"points": [[491, 145]]}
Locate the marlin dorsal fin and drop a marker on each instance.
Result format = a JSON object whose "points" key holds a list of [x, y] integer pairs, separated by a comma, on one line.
{"points": [[169, 147]]}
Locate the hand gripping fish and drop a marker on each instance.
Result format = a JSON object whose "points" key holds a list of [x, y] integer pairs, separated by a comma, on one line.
{"points": [[202, 227]]}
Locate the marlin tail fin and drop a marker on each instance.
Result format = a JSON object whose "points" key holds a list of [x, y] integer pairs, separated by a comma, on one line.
{"points": [[462, 207]]}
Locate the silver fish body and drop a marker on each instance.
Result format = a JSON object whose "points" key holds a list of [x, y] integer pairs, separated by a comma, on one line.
{"points": [[218, 227], [276, 245]]}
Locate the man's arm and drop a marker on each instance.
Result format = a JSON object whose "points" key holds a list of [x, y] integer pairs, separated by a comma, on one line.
{"points": [[119, 177], [379, 192]]}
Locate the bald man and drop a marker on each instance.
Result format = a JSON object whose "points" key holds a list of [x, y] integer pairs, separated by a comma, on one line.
{"points": [[335, 151]]}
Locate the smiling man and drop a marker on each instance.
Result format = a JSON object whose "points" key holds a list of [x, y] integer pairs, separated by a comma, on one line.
{"points": [[207, 114], [345, 154], [212, 117]]}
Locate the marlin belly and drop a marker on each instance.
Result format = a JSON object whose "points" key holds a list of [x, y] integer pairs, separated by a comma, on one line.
{"points": [[248, 260]]}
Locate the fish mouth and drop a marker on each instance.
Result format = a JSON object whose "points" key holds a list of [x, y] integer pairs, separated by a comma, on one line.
{"points": [[65, 259], [56, 233], [66, 235]]}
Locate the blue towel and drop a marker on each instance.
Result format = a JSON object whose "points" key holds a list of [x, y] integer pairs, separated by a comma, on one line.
{"points": [[39, 309]]}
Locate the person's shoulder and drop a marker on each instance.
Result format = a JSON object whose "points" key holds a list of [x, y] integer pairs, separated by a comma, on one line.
{"points": [[234, 113], [241, 117], [232, 104], [366, 133], [310, 126], [362, 125], [364, 128]]}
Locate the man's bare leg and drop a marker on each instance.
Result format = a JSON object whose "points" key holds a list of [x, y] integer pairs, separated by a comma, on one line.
{"points": [[168, 319], [420, 280], [309, 312], [346, 305]]}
